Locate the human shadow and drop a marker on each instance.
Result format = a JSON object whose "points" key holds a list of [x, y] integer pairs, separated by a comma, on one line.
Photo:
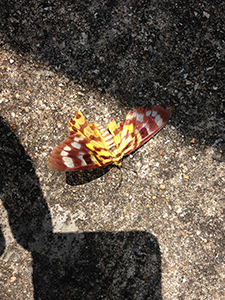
{"points": [[85, 265], [2, 242]]}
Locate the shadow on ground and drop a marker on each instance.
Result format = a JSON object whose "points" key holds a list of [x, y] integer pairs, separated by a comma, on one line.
{"points": [[84, 176], [2, 242], [94, 265], [142, 52]]}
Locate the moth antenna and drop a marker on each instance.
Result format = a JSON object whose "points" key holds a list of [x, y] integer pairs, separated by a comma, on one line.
{"points": [[121, 177], [129, 169], [121, 174]]}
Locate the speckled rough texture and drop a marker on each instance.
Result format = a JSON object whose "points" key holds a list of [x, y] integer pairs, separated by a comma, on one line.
{"points": [[74, 236]]}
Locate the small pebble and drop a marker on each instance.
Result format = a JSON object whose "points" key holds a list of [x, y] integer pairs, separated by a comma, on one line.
{"points": [[145, 276], [185, 169], [12, 279], [162, 187], [205, 14]]}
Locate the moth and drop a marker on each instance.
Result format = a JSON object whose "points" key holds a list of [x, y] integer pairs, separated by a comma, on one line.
{"points": [[91, 146]]}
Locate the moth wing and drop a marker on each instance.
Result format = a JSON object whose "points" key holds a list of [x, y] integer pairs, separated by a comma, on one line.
{"points": [[141, 124], [82, 150], [93, 131], [116, 131], [77, 123]]}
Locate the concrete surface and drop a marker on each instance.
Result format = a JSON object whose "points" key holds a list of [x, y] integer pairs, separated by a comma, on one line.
{"points": [[74, 236]]}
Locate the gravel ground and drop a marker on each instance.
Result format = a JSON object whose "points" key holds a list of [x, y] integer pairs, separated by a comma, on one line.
{"points": [[73, 235]]}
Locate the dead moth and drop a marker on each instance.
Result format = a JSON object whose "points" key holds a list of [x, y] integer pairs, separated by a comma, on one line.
{"points": [[91, 146]]}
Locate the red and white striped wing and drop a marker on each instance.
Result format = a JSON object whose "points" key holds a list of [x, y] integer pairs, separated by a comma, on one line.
{"points": [[141, 124], [73, 154]]}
